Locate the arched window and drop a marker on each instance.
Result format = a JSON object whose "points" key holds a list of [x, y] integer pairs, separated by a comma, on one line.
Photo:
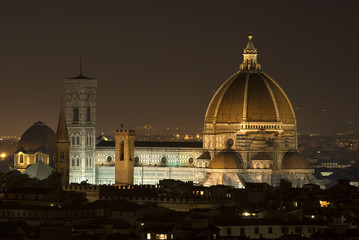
{"points": [[62, 156], [78, 162], [122, 148], [76, 114], [73, 162], [21, 158], [73, 142], [78, 140], [88, 114]]}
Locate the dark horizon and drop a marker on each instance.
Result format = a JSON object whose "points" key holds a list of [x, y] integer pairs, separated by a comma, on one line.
{"points": [[159, 62]]}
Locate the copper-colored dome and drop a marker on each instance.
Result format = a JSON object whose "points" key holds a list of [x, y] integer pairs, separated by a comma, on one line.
{"points": [[295, 160], [252, 96], [39, 137], [227, 159]]}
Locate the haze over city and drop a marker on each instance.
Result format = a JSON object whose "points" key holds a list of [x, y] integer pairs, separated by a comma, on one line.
{"points": [[159, 63]]}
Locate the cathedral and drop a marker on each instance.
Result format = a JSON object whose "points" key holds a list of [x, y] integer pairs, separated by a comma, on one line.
{"points": [[250, 135]]}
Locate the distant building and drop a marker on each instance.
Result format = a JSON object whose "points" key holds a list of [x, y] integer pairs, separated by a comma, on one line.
{"points": [[39, 170], [266, 229], [36, 144]]}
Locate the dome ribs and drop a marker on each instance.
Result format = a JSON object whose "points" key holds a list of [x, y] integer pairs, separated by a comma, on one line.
{"points": [[250, 97], [231, 106], [285, 109], [260, 104], [212, 110], [273, 98]]}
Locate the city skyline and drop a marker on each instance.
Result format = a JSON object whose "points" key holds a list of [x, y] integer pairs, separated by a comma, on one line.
{"points": [[159, 63]]}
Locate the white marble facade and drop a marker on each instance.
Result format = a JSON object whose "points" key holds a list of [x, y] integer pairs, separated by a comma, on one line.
{"points": [[81, 122], [249, 109], [154, 163]]}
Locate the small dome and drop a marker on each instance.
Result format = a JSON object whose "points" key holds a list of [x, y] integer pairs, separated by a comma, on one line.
{"points": [[39, 170], [39, 137], [295, 160], [227, 159]]}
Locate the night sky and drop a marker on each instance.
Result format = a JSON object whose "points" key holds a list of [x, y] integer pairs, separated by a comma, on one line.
{"points": [[159, 62]]}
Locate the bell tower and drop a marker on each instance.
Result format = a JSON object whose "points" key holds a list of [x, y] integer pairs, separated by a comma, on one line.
{"points": [[62, 150], [81, 120], [124, 156]]}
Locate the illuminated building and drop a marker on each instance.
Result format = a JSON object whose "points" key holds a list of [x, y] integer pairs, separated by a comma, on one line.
{"points": [[80, 119], [250, 130], [36, 144], [250, 135], [62, 151]]}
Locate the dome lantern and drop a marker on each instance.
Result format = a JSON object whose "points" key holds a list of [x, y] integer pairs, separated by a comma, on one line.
{"points": [[250, 57]]}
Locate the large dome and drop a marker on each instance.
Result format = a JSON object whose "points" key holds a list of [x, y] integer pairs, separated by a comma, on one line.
{"points": [[39, 137], [250, 95]]}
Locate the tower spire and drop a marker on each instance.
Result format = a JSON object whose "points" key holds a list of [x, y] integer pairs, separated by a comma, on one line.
{"points": [[62, 149], [250, 56], [80, 76], [61, 132]]}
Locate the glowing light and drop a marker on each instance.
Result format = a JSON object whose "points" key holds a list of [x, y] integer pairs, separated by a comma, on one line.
{"points": [[161, 236], [3, 155], [246, 214], [324, 203]]}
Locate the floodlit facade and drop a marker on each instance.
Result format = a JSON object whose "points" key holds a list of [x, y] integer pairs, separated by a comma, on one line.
{"points": [[81, 122], [250, 123], [250, 135]]}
